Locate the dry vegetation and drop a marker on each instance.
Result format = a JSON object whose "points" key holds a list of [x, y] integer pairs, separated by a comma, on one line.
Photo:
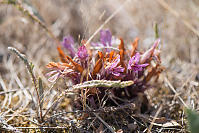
{"points": [[176, 88]]}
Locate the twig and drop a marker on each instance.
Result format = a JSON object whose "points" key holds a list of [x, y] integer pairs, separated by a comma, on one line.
{"points": [[41, 127], [25, 117], [46, 93], [174, 91], [21, 86], [105, 110], [91, 84], [4, 126], [156, 115], [11, 91], [106, 21], [112, 98], [109, 127], [29, 67], [2, 83], [53, 104], [188, 80]]}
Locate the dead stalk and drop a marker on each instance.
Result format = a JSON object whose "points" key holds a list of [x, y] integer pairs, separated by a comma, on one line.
{"points": [[29, 67]]}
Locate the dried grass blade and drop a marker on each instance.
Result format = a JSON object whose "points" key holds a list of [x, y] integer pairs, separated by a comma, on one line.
{"points": [[29, 67]]}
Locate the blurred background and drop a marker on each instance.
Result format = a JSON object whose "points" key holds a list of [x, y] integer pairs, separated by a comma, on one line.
{"points": [[82, 18], [177, 23]]}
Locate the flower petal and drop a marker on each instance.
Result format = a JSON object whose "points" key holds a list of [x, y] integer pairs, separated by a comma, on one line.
{"points": [[133, 61], [97, 44], [149, 52], [105, 37], [77, 66], [115, 73], [115, 62], [68, 43], [137, 58], [98, 64], [130, 63], [140, 67], [82, 53], [119, 69], [62, 55]]}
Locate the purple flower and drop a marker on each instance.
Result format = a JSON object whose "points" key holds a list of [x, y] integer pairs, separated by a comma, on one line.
{"points": [[56, 73], [82, 53], [105, 37], [133, 63], [149, 53], [68, 43], [114, 69]]}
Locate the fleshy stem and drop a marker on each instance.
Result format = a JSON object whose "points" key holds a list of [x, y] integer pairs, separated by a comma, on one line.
{"points": [[29, 67], [103, 83]]}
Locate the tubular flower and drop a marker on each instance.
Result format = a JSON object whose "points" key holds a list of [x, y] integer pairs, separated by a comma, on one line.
{"points": [[105, 39], [68, 43], [149, 53], [82, 53], [134, 64], [83, 66], [114, 69]]}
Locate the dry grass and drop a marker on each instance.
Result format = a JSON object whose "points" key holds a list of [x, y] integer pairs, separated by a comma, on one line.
{"points": [[176, 89]]}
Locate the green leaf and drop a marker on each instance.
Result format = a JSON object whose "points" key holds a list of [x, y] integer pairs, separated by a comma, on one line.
{"points": [[193, 119], [41, 93], [156, 31], [12, 2], [31, 66]]}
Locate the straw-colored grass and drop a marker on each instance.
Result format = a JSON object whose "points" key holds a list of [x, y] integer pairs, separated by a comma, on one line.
{"points": [[176, 89]]}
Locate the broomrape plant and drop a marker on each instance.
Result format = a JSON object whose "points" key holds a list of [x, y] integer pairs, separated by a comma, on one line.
{"points": [[107, 64]]}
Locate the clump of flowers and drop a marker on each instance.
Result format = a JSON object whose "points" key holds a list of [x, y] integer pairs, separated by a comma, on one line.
{"points": [[107, 63]]}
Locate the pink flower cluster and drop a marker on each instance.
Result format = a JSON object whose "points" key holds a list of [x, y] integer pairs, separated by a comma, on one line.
{"points": [[108, 63]]}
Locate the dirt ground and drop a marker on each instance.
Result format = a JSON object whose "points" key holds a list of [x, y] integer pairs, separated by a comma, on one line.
{"points": [[176, 89]]}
